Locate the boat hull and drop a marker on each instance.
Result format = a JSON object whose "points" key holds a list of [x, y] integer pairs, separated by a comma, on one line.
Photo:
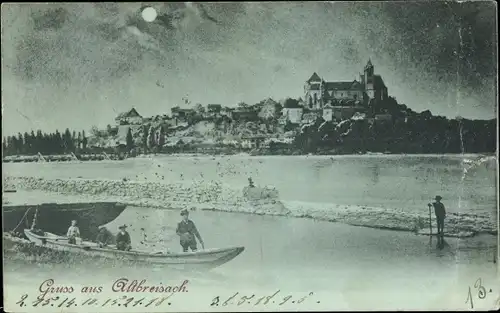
{"points": [[205, 259], [56, 218]]}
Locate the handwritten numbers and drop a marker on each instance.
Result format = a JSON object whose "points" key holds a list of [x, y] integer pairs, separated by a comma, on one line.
{"points": [[138, 302], [71, 302], [215, 301], [38, 301], [245, 299], [285, 299], [229, 299], [469, 299], [259, 300], [481, 293], [128, 302], [47, 301], [89, 301], [162, 300], [61, 304], [150, 302], [21, 302], [303, 298]]}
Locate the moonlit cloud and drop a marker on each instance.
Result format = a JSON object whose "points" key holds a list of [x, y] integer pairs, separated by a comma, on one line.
{"points": [[72, 65]]}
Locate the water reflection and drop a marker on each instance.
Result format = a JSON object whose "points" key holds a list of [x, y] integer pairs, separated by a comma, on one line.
{"points": [[375, 170]]}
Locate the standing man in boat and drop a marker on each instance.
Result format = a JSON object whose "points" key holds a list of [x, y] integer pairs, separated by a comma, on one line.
{"points": [[123, 239], [73, 233], [440, 213], [187, 232]]}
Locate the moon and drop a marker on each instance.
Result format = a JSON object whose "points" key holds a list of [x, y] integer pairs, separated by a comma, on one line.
{"points": [[149, 14]]}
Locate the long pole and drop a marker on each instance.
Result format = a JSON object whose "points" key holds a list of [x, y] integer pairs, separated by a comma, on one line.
{"points": [[34, 219], [430, 221]]}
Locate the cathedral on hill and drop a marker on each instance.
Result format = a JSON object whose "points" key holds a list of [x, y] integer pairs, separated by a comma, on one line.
{"points": [[319, 93]]}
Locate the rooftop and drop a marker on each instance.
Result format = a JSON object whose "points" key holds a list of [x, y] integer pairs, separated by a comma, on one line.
{"points": [[132, 113], [345, 85]]}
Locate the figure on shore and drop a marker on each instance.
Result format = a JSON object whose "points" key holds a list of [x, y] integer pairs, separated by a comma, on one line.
{"points": [[250, 182], [73, 233], [440, 213], [187, 232], [123, 239], [104, 237]]}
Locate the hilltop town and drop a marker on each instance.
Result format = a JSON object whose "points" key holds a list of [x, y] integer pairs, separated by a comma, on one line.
{"points": [[332, 117]]}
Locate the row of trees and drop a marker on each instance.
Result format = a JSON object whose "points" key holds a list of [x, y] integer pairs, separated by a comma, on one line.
{"points": [[44, 143], [152, 139]]}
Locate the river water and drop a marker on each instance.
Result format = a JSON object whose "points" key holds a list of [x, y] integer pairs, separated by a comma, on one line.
{"points": [[392, 181], [335, 266]]}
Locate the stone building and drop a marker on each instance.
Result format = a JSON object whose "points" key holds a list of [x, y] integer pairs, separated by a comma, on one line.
{"points": [[319, 92]]}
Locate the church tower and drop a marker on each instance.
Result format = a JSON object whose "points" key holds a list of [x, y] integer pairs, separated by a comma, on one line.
{"points": [[369, 79], [312, 90]]}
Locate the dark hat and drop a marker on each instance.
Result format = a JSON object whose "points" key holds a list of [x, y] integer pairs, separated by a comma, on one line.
{"points": [[438, 198], [122, 227], [184, 212]]}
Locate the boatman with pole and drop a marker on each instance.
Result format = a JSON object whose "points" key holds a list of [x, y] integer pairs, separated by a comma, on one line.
{"points": [[440, 213], [187, 232]]}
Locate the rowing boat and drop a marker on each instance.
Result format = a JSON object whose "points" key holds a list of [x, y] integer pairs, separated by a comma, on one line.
{"points": [[205, 259]]}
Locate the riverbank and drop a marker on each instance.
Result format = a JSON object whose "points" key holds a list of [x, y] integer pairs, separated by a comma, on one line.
{"points": [[215, 196], [60, 158], [256, 153]]}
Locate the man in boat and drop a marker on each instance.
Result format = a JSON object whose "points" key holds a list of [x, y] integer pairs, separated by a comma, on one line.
{"points": [[104, 237], [73, 233], [123, 239], [440, 213], [187, 232]]}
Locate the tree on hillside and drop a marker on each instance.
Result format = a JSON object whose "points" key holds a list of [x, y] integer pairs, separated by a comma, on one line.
{"points": [[199, 108], [243, 105], [27, 143], [56, 143], [39, 142], [109, 130], [4, 145], [84, 141], [94, 131], [161, 138], [11, 148], [33, 142], [20, 142], [144, 141], [66, 141], [129, 140], [151, 138], [79, 141]]}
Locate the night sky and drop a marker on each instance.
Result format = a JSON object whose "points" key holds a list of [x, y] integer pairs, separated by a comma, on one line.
{"points": [[78, 65]]}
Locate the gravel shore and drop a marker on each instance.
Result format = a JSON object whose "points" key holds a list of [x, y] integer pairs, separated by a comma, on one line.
{"points": [[218, 197]]}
